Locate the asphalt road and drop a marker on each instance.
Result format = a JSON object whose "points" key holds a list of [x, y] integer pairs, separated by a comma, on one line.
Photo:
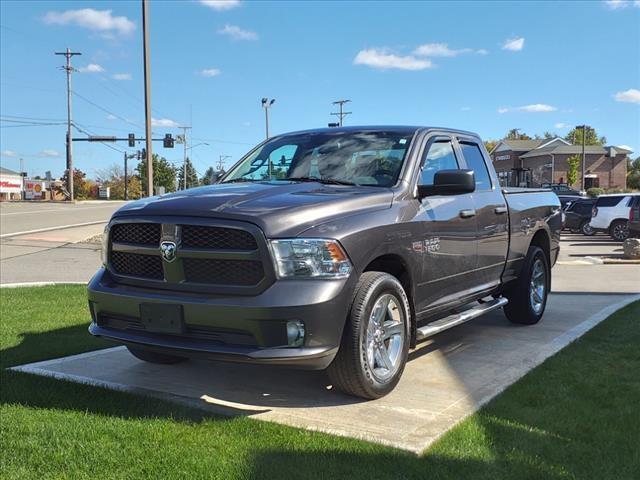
{"points": [[27, 217]]}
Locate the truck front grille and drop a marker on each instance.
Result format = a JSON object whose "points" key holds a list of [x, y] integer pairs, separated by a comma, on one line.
{"points": [[136, 265], [197, 236], [222, 272], [212, 258], [136, 233]]}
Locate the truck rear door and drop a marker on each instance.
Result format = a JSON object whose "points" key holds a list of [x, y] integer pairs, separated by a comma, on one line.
{"points": [[492, 217]]}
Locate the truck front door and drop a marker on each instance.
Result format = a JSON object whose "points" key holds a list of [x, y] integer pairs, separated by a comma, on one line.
{"points": [[447, 232]]}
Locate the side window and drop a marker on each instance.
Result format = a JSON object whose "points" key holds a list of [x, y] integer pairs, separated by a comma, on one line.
{"points": [[608, 201], [440, 156], [475, 162]]}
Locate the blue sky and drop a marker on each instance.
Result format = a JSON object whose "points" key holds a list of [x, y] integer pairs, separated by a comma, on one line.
{"points": [[480, 66]]}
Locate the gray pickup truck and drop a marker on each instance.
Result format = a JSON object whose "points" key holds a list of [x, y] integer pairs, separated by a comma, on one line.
{"points": [[334, 249]]}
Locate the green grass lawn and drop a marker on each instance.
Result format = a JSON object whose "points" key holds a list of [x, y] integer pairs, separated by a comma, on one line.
{"points": [[575, 416]]}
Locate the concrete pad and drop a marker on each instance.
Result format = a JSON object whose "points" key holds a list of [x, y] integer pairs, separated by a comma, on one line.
{"points": [[447, 378]]}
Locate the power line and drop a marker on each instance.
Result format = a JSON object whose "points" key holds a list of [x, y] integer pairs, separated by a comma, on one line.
{"points": [[106, 110]]}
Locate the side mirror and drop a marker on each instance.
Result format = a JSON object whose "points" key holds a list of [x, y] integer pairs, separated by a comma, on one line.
{"points": [[449, 182]]}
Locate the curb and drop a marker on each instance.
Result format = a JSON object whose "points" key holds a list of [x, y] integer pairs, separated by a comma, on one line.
{"points": [[38, 284], [51, 229]]}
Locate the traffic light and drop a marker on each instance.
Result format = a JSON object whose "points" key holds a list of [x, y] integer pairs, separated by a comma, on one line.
{"points": [[168, 141], [143, 153], [132, 139]]}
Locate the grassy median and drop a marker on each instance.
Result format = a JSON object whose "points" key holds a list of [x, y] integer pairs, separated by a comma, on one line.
{"points": [[575, 416]]}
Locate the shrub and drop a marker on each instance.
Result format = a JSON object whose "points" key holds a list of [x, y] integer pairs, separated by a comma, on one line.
{"points": [[595, 192]]}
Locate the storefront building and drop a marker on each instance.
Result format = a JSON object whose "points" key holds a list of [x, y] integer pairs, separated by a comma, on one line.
{"points": [[531, 163], [10, 185]]}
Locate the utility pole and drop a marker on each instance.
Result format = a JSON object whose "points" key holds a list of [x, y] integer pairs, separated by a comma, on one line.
{"points": [[221, 160], [584, 162], [147, 95], [266, 104], [69, 69], [341, 114], [184, 142], [126, 173]]}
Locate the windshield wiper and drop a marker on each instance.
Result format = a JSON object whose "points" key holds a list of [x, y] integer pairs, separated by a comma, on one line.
{"points": [[240, 179], [325, 180]]}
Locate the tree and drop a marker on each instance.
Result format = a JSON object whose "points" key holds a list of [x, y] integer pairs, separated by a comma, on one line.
{"points": [[113, 177], [572, 171], [592, 138], [82, 188], [192, 175], [490, 144], [164, 174], [633, 173], [209, 174], [514, 134]]}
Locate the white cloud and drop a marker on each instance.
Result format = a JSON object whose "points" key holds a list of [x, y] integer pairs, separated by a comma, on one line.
{"points": [[164, 122], [91, 68], [513, 44], [533, 108], [439, 50], [96, 20], [209, 72], [8, 153], [482, 51], [628, 96], [237, 33], [382, 59], [121, 76], [111, 117], [221, 4], [465, 109], [619, 4], [562, 125], [48, 153]]}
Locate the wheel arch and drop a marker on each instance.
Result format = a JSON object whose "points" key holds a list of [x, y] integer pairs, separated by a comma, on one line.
{"points": [[398, 267]]}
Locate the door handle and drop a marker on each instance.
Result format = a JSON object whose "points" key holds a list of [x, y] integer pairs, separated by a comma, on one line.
{"points": [[467, 213], [500, 210]]}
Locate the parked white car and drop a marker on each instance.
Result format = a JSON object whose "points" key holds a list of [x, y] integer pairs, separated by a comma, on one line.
{"points": [[611, 214]]}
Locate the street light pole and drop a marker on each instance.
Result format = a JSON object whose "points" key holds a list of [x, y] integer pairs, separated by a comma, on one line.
{"points": [[147, 95], [266, 104], [584, 162], [184, 167]]}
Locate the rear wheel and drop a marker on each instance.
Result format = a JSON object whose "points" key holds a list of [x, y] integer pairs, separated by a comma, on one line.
{"points": [[528, 296], [587, 229], [154, 357], [374, 347], [619, 230]]}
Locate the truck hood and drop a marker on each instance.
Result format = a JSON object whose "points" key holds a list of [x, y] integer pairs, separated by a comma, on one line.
{"points": [[280, 209]]}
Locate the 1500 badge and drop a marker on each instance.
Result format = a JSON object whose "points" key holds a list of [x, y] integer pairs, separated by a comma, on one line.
{"points": [[429, 245]]}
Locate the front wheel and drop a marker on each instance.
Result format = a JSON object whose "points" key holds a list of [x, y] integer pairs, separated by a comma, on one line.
{"points": [[619, 230], [587, 229], [528, 296], [374, 347]]}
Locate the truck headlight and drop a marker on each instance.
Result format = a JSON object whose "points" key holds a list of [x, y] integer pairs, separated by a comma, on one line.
{"points": [[104, 251], [310, 258]]}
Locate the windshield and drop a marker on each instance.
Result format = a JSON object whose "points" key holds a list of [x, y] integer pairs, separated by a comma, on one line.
{"points": [[371, 158]]}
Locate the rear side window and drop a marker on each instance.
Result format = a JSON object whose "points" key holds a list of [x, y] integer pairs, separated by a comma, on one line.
{"points": [[583, 208], [475, 162], [440, 156], [608, 201]]}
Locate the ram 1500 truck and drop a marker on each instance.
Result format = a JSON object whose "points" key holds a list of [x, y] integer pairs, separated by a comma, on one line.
{"points": [[334, 249]]}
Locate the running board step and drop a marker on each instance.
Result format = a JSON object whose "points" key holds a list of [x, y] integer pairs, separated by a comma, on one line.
{"points": [[457, 318]]}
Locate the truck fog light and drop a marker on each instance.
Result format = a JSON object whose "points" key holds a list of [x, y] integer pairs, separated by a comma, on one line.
{"points": [[295, 333]]}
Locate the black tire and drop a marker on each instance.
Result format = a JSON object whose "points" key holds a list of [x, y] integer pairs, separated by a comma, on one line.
{"points": [[350, 371], [619, 230], [154, 357], [520, 308], [587, 229]]}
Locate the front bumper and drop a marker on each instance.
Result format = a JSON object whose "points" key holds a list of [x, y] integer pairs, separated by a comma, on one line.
{"points": [[230, 328]]}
